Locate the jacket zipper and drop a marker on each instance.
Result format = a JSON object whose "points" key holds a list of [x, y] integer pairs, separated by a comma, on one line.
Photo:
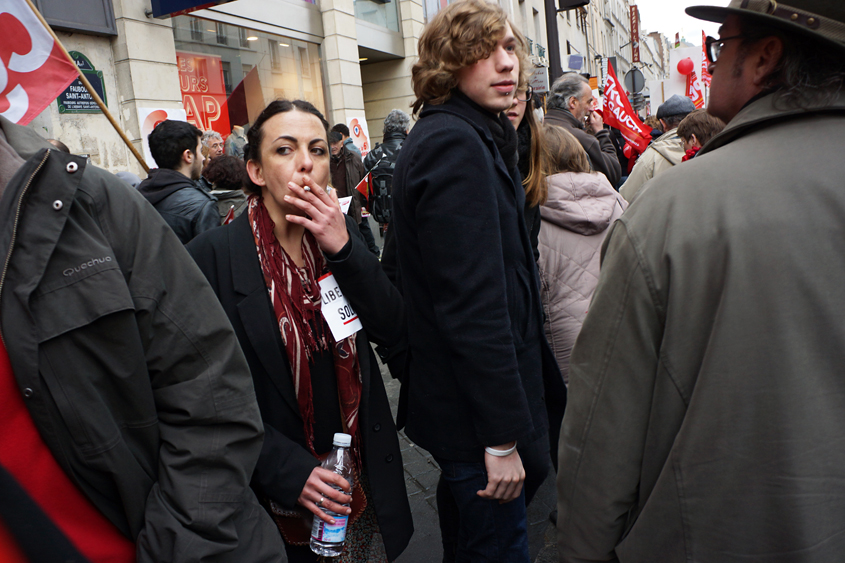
{"points": [[15, 232]]}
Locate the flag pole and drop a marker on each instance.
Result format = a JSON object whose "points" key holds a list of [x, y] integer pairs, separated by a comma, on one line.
{"points": [[91, 90]]}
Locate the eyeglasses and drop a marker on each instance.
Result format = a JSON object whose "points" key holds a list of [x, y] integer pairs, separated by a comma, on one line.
{"points": [[714, 46], [529, 93]]}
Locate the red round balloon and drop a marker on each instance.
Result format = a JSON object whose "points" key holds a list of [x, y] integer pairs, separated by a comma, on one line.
{"points": [[686, 66], [628, 150]]}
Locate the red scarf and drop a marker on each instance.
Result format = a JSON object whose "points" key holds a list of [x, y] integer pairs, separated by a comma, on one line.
{"points": [[690, 154], [296, 298]]}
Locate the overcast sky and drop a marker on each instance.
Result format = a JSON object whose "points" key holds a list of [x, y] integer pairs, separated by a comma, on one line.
{"points": [[669, 18]]}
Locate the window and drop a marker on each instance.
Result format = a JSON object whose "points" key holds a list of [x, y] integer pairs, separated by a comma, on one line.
{"points": [[222, 38], [304, 63], [275, 62], [88, 16], [226, 67], [224, 85], [196, 29]]}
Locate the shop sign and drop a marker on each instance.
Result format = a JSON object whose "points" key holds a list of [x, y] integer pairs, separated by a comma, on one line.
{"points": [[539, 80], [168, 8], [203, 91], [635, 34], [76, 98]]}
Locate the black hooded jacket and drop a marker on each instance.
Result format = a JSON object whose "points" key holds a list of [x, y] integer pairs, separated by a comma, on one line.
{"points": [[182, 204]]}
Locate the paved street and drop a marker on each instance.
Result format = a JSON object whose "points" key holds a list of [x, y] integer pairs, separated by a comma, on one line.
{"points": [[421, 476]]}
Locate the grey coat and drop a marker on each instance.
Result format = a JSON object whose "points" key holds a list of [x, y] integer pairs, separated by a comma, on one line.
{"points": [[127, 363], [707, 397]]}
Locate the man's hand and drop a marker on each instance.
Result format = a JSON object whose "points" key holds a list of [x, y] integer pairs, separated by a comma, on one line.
{"points": [[505, 476], [595, 122]]}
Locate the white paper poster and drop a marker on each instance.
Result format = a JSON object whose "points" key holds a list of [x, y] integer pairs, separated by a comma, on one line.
{"points": [[149, 118], [360, 133], [340, 317]]}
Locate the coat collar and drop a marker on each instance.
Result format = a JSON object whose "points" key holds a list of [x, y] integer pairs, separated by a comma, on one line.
{"points": [[564, 115], [764, 111], [25, 141], [462, 107], [255, 309], [246, 270], [61, 174]]}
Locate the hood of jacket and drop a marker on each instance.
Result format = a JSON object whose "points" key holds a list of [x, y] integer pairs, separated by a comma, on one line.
{"points": [[670, 146], [162, 182], [580, 202]]}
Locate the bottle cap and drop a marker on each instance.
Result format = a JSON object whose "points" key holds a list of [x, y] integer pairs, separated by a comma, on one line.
{"points": [[342, 440]]}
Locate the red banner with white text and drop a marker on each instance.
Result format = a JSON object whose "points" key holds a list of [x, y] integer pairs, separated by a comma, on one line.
{"points": [[619, 113], [203, 91], [694, 90], [705, 75]]}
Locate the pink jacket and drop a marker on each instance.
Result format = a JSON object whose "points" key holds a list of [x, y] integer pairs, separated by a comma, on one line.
{"points": [[576, 217]]}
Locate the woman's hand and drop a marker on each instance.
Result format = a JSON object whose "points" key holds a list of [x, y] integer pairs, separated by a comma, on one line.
{"points": [[325, 219], [319, 486], [505, 476]]}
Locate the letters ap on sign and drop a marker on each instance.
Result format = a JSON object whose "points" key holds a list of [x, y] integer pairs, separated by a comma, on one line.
{"points": [[340, 317]]}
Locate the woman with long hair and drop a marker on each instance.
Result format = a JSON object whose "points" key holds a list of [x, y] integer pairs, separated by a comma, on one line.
{"points": [[266, 267], [529, 136], [581, 205]]}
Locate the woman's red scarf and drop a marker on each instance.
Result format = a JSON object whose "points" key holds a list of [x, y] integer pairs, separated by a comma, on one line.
{"points": [[296, 298]]}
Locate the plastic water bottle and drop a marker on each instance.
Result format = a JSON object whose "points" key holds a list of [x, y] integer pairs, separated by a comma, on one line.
{"points": [[328, 539]]}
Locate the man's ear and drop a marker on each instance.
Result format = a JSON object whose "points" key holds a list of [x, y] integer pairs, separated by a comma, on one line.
{"points": [[663, 125], [767, 55], [188, 156], [694, 141], [256, 174]]}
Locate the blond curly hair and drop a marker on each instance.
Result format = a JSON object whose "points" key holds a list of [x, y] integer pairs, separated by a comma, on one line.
{"points": [[460, 35]]}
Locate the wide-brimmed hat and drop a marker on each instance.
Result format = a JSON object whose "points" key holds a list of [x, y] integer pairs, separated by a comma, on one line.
{"points": [[822, 19]]}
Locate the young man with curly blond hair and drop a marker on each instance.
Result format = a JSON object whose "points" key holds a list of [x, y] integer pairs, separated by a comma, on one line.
{"points": [[478, 356]]}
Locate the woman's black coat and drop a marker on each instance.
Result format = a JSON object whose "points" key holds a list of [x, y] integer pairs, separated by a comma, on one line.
{"points": [[228, 258]]}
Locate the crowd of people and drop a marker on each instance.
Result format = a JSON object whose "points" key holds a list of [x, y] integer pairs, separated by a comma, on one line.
{"points": [[663, 334]]}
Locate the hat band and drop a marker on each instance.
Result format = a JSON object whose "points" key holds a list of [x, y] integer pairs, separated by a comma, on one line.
{"points": [[827, 27]]}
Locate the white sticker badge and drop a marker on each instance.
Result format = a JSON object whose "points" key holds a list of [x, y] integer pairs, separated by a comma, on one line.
{"points": [[342, 320], [344, 204]]}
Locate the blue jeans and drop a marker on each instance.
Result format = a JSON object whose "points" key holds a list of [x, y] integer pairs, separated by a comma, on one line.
{"points": [[486, 530]]}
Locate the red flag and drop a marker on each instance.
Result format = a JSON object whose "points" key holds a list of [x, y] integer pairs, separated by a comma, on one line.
{"points": [[33, 68], [705, 75], [230, 216], [619, 113], [364, 186], [694, 90]]}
